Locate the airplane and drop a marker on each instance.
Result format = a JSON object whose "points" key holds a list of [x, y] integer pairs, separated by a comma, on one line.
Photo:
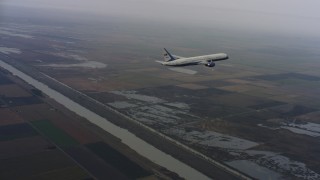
{"points": [[207, 60]]}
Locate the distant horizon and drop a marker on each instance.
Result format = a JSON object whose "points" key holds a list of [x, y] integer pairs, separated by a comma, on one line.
{"points": [[220, 16]]}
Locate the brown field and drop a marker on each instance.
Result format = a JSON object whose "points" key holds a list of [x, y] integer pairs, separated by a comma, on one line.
{"points": [[238, 81], [34, 164], [81, 84], [285, 97], [239, 74], [195, 78], [310, 117], [264, 84], [37, 112], [22, 147], [12, 90], [263, 92], [192, 86], [148, 70], [308, 101], [237, 88], [236, 99], [105, 85], [141, 80], [75, 130], [9, 117]]}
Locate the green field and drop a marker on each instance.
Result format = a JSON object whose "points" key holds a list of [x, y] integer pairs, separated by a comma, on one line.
{"points": [[53, 133], [118, 160]]}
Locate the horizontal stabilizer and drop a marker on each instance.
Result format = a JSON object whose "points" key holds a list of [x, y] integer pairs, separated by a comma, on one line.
{"points": [[161, 62]]}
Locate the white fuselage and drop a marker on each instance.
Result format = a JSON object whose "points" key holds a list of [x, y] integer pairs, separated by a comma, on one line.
{"points": [[197, 60]]}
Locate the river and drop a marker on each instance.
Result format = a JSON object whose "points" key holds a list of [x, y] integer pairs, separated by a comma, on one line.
{"points": [[131, 140]]}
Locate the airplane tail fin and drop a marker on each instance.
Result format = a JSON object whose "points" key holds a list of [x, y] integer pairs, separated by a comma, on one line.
{"points": [[167, 56]]}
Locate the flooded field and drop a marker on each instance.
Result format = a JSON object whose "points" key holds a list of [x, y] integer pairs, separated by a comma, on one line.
{"points": [[172, 118], [153, 111], [6, 50], [254, 170], [311, 129], [212, 139]]}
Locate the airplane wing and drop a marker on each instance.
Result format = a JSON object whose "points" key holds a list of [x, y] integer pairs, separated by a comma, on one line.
{"points": [[183, 70], [180, 69]]}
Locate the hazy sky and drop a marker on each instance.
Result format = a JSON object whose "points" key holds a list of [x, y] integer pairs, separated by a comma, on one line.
{"points": [[302, 16]]}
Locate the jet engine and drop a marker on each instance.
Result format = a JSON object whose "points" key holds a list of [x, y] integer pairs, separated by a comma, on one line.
{"points": [[210, 64]]}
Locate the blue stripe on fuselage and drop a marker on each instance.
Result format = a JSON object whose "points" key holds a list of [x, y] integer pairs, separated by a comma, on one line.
{"points": [[187, 64]]}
